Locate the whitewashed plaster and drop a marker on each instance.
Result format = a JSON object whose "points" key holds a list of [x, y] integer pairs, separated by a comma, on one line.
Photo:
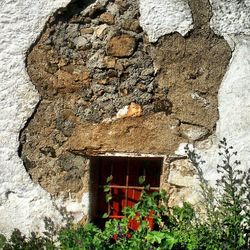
{"points": [[231, 19], [234, 103], [160, 17], [24, 204]]}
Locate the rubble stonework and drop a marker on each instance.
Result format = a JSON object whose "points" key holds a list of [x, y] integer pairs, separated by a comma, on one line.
{"points": [[149, 97], [93, 63]]}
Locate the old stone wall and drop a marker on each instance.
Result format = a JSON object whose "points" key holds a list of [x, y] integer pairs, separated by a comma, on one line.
{"points": [[94, 63], [117, 77]]}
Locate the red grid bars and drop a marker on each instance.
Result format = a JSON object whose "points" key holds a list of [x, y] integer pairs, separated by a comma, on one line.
{"points": [[124, 186]]}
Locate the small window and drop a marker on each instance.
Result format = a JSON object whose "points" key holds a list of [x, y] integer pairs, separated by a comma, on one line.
{"points": [[125, 187]]}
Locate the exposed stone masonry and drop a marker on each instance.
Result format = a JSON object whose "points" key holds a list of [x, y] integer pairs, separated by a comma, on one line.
{"points": [[100, 56], [104, 87]]}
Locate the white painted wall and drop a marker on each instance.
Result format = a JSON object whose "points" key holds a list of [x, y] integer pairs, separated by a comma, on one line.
{"points": [[24, 204], [231, 19], [160, 17]]}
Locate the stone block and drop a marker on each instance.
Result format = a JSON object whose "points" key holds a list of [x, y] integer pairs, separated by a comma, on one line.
{"points": [[121, 46], [107, 18]]}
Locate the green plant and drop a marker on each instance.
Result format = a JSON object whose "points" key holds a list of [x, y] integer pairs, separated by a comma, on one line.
{"points": [[18, 241], [225, 226], [108, 196], [80, 237], [171, 230], [227, 223], [2, 241]]}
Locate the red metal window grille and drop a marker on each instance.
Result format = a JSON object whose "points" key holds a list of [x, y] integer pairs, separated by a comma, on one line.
{"points": [[125, 187]]}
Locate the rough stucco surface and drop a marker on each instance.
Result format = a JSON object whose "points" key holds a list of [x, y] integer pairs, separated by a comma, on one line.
{"points": [[231, 20], [22, 203], [234, 97], [81, 96], [160, 17], [231, 17]]}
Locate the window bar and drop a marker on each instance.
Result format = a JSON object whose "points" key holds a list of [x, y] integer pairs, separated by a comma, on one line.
{"points": [[133, 197], [127, 179], [144, 175], [110, 188], [144, 172], [130, 187]]}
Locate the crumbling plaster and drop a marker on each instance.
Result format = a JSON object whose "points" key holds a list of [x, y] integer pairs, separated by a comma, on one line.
{"points": [[160, 17], [81, 96], [23, 204], [231, 19]]}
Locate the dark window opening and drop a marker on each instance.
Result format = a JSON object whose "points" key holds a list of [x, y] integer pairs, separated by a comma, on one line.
{"points": [[125, 187]]}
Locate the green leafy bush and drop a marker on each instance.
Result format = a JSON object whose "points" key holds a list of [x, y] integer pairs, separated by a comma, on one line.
{"points": [[226, 224], [2, 241], [18, 241], [171, 230]]}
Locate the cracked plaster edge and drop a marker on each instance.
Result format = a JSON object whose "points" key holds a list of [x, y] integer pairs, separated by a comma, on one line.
{"points": [[28, 87], [162, 17], [23, 204], [233, 95], [237, 74], [234, 109]]}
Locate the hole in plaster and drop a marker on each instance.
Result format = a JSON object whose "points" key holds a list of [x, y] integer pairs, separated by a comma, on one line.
{"points": [[105, 88]]}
